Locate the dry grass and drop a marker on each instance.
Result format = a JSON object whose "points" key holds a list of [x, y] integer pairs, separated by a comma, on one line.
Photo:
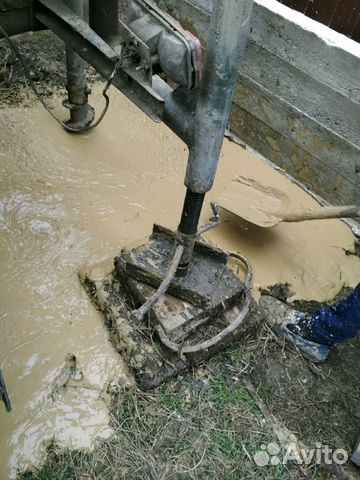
{"points": [[204, 425]]}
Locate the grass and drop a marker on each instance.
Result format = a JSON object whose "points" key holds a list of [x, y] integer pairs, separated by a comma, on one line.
{"points": [[204, 425]]}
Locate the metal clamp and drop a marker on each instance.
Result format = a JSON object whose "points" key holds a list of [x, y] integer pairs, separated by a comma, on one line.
{"points": [[161, 44], [185, 348], [214, 221]]}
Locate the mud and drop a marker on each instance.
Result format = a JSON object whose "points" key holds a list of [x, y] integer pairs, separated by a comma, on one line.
{"points": [[356, 250], [282, 292], [254, 202], [69, 201], [305, 256]]}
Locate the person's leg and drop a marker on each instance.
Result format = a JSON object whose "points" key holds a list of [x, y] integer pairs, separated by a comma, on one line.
{"points": [[315, 334], [338, 322]]}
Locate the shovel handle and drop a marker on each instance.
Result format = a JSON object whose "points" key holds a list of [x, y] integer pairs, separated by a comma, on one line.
{"points": [[348, 211]]}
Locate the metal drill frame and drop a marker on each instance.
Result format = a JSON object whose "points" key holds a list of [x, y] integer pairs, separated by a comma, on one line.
{"points": [[78, 35], [176, 108], [199, 117], [182, 35]]}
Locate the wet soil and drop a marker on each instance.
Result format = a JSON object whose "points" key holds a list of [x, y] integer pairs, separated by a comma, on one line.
{"points": [[319, 403], [283, 292], [356, 250]]}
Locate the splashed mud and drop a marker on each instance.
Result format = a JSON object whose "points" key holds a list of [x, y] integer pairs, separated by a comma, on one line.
{"points": [[69, 201]]}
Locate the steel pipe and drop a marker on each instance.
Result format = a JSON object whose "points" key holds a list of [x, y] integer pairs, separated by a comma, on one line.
{"points": [[228, 31], [179, 109], [81, 113]]}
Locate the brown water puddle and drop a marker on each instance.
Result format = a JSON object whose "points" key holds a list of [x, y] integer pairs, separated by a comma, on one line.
{"points": [[68, 201]]}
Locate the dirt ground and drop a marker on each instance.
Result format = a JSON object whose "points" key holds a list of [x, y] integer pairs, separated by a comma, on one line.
{"points": [[208, 423], [46, 67]]}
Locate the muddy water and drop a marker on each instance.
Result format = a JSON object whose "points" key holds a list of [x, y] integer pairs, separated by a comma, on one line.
{"points": [[308, 255], [251, 200], [68, 201]]}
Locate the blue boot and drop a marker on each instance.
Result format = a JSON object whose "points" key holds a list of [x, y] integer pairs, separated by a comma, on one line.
{"points": [[285, 321], [318, 333]]}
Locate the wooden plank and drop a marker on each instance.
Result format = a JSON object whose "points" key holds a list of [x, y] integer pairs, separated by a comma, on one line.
{"points": [[287, 154], [312, 47], [322, 145], [316, 100]]}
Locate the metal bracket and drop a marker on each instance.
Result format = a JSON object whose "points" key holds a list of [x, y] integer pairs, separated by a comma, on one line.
{"points": [[162, 44], [133, 43], [77, 34], [214, 221]]}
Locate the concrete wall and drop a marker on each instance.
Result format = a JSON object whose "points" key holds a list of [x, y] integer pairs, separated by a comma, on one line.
{"points": [[298, 95]]}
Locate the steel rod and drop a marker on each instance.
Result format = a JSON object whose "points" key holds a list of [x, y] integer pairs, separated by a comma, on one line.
{"points": [[81, 114]]}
